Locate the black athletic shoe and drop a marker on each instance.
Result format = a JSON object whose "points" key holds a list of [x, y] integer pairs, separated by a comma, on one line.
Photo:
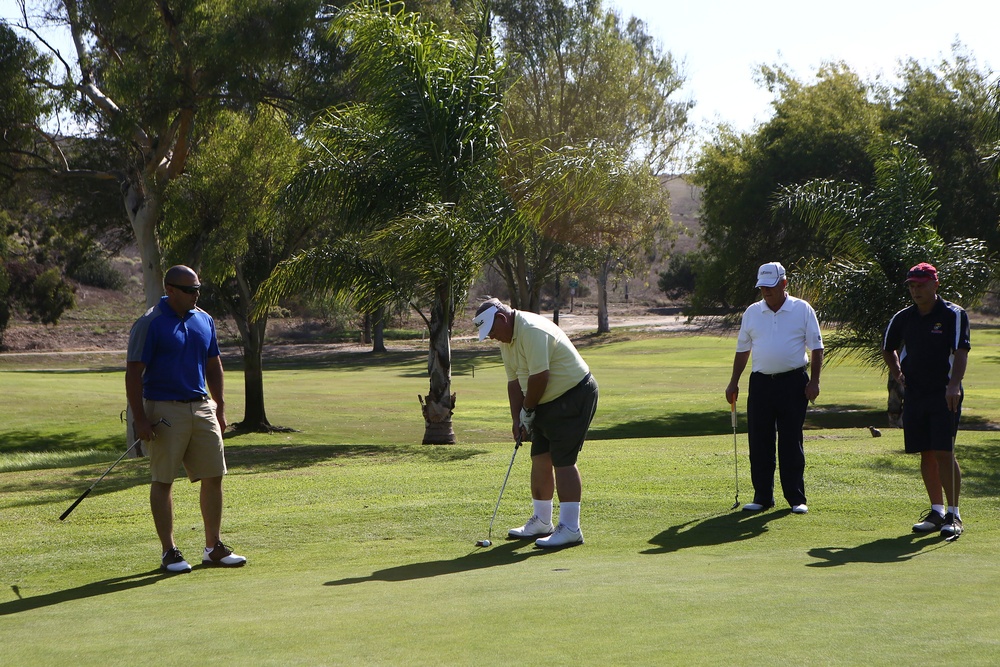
{"points": [[931, 522], [173, 561], [952, 526]]}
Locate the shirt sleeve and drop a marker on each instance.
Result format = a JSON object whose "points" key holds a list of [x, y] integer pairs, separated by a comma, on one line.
{"points": [[744, 341], [814, 338], [893, 336], [965, 336], [138, 342]]}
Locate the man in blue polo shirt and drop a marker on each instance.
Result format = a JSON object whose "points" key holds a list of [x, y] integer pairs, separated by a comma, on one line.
{"points": [[173, 363], [782, 333], [926, 348]]}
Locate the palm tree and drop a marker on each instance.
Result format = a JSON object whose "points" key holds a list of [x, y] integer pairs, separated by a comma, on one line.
{"points": [[876, 236], [409, 177]]}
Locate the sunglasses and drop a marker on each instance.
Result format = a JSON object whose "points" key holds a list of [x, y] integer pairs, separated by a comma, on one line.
{"points": [[187, 289]]}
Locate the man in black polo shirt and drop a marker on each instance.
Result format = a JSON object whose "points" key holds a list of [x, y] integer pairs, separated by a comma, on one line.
{"points": [[926, 348]]}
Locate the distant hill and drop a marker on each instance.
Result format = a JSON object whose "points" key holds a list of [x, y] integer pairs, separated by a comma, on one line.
{"points": [[685, 205]]}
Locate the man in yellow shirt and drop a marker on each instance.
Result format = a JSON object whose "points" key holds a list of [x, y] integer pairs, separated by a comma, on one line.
{"points": [[553, 398]]}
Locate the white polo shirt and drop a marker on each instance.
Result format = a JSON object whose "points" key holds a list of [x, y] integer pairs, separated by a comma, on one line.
{"points": [[778, 342]]}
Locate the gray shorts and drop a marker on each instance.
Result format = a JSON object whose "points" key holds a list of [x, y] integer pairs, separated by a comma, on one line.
{"points": [[561, 425]]}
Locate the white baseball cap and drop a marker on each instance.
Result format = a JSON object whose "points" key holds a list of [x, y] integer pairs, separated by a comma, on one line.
{"points": [[770, 274], [484, 321]]}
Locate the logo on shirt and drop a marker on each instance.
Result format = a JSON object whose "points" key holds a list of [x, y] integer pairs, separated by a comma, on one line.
{"points": [[937, 328]]}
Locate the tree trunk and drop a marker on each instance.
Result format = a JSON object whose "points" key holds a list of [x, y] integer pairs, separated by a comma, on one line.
{"points": [[143, 208], [555, 308], [254, 416], [378, 338], [366, 329], [894, 405], [603, 326], [144, 213], [439, 404]]}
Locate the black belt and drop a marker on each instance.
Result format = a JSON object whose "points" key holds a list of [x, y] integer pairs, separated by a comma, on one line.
{"points": [[584, 381], [800, 369], [196, 399]]}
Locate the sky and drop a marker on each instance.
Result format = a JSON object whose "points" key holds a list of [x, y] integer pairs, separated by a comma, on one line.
{"points": [[722, 42]]}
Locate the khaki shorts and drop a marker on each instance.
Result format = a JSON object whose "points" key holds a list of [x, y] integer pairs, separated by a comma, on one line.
{"points": [[193, 440]]}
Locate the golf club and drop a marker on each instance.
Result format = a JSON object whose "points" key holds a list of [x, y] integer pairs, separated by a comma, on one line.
{"points": [[736, 461], [954, 464], [85, 493], [489, 541]]}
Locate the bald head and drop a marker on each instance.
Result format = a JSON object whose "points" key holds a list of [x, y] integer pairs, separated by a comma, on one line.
{"points": [[181, 275]]}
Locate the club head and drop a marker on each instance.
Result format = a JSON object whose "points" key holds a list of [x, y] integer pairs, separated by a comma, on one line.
{"points": [[952, 538], [735, 505]]}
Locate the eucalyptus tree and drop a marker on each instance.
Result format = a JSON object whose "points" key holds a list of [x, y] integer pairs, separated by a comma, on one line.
{"points": [[226, 217], [875, 234], [142, 76], [820, 129], [408, 176], [943, 109], [585, 78]]}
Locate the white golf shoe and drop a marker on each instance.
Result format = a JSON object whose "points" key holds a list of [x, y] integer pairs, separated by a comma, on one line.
{"points": [[563, 537], [173, 562], [800, 509], [535, 527], [222, 556]]}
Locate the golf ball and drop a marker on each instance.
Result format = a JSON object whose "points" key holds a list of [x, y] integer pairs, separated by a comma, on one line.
{"points": [[484, 543]]}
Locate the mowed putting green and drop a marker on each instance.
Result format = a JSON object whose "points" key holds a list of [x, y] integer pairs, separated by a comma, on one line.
{"points": [[361, 541]]}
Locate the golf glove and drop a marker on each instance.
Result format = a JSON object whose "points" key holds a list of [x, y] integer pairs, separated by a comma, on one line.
{"points": [[527, 419]]}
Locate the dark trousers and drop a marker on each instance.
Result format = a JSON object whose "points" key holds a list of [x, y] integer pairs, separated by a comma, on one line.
{"points": [[776, 404]]}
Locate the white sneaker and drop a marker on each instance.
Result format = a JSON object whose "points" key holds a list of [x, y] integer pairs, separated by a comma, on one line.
{"points": [[800, 509], [563, 537], [535, 527]]}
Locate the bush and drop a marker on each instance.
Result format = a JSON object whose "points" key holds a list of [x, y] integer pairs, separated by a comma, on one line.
{"points": [[97, 271], [679, 278]]}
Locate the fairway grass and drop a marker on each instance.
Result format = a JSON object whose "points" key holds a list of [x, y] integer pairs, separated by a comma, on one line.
{"points": [[361, 542]]}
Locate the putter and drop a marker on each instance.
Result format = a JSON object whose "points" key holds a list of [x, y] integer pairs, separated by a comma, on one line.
{"points": [[489, 540], [954, 464], [85, 493], [736, 461]]}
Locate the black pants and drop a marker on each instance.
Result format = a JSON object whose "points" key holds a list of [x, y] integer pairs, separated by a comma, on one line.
{"points": [[776, 404]]}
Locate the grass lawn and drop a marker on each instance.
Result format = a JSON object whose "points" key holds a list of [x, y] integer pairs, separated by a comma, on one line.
{"points": [[361, 541]]}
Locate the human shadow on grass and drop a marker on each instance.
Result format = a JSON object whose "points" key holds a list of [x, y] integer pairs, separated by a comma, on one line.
{"points": [[887, 550], [105, 587], [506, 553], [714, 530]]}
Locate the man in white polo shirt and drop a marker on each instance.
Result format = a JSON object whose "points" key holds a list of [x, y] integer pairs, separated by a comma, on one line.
{"points": [[777, 332]]}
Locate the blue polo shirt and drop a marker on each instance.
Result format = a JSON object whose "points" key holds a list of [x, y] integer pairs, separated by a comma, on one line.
{"points": [[927, 344], [175, 351]]}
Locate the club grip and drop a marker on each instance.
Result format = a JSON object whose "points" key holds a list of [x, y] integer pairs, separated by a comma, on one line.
{"points": [[75, 503], [733, 412]]}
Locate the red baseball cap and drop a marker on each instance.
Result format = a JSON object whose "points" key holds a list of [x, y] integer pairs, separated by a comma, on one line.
{"points": [[922, 273]]}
